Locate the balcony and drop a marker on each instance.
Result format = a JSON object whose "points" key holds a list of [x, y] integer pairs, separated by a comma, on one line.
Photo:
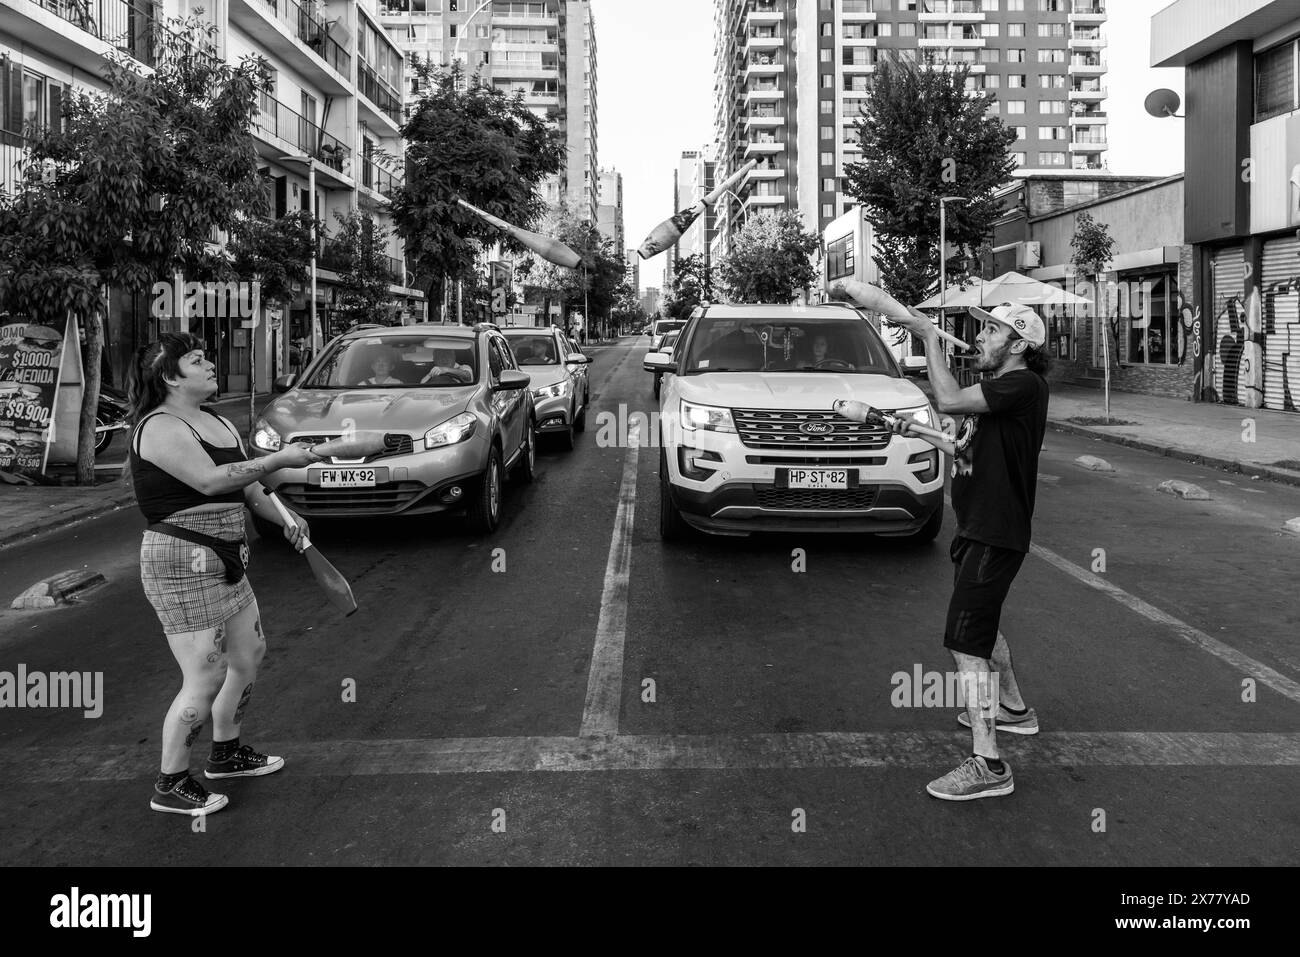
{"points": [[1087, 43], [955, 42], [1087, 144], [379, 180], [287, 131], [763, 93], [521, 15], [764, 199], [123, 25], [762, 68], [337, 258], [1088, 93], [762, 120], [763, 13], [1081, 66], [856, 11], [300, 37], [763, 147], [858, 66], [766, 171], [387, 104], [1087, 13], [1089, 119], [758, 42]]}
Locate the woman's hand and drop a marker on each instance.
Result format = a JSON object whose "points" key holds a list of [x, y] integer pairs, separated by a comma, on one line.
{"points": [[298, 533], [294, 456]]}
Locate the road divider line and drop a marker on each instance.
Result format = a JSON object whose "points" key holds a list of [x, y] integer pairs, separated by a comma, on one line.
{"points": [[773, 752], [605, 680]]}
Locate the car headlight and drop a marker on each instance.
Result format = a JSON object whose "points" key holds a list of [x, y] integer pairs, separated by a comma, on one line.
{"points": [[551, 391], [265, 438], [456, 429], [711, 418], [920, 414]]}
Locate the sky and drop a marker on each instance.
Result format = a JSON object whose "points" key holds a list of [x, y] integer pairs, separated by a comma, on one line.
{"points": [[655, 99]]}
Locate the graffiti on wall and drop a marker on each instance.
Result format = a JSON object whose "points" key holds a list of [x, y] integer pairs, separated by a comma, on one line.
{"points": [[1256, 363], [1280, 344]]}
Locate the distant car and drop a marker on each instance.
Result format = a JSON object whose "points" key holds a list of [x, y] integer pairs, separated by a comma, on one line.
{"points": [[581, 371], [559, 395], [666, 347], [661, 328], [750, 441], [453, 406]]}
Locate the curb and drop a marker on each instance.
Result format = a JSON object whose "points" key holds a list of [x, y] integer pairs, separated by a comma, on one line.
{"points": [[1281, 476], [21, 536]]}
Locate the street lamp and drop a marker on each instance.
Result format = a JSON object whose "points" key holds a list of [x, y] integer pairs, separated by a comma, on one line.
{"points": [[316, 337], [455, 52], [943, 248]]}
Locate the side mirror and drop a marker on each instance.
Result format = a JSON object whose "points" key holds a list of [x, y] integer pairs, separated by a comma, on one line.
{"points": [[914, 365], [658, 362], [577, 358], [512, 379], [283, 384]]}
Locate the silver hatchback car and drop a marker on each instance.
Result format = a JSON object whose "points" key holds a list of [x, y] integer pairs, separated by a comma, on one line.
{"points": [[455, 411], [559, 388]]}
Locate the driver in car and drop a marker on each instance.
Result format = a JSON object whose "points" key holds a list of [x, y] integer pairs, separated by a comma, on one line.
{"points": [[445, 364], [821, 353]]}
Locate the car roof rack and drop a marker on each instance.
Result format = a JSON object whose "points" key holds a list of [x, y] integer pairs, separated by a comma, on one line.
{"points": [[480, 326]]}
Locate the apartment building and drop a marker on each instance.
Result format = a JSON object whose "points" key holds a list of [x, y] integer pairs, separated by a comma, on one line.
{"points": [[609, 214], [792, 76], [331, 118], [692, 180], [545, 49]]}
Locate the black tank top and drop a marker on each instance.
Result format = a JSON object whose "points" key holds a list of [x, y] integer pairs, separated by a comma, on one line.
{"points": [[159, 493]]}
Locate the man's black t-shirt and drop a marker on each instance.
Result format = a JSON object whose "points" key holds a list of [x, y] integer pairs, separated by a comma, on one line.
{"points": [[995, 470]]}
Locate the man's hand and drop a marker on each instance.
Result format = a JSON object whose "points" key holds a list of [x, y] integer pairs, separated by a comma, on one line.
{"points": [[919, 326], [851, 409]]}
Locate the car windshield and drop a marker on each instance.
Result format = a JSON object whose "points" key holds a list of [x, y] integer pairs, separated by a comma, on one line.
{"points": [[800, 344], [670, 340], [534, 350], [396, 362]]}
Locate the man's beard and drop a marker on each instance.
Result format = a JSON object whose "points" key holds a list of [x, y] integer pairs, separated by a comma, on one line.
{"points": [[992, 361]]}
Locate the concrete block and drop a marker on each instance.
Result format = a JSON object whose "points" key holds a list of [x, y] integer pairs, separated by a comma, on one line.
{"points": [[57, 589], [1292, 526], [1094, 464], [1184, 490]]}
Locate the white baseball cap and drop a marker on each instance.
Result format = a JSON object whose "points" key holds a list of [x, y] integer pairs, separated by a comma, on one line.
{"points": [[1022, 320]]}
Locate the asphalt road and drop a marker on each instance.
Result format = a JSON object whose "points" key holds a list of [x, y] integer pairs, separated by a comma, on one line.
{"points": [[609, 699]]}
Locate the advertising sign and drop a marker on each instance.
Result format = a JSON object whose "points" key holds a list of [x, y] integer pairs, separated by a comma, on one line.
{"points": [[31, 356]]}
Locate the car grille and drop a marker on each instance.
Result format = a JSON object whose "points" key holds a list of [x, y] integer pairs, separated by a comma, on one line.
{"points": [[828, 498], [389, 497], [396, 443], [838, 461], [770, 429]]}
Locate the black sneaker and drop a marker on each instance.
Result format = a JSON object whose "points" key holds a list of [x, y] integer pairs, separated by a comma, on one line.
{"points": [[244, 763], [189, 797]]}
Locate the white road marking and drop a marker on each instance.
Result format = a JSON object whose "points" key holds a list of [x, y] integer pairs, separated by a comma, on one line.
{"points": [[605, 680], [1194, 636], [775, 752]]}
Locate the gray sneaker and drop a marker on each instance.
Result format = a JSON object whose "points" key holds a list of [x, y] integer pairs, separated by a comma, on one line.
{"points": [[971, 780], [1026, 723]]}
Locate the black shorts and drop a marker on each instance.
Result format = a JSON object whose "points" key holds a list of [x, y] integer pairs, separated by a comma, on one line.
{"points": [[982, 576]]}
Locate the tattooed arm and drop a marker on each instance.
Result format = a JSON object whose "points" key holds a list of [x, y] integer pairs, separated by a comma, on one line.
{"points": [[168, 443]]}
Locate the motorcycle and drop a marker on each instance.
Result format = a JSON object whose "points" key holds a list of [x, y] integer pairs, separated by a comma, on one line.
{"points": [[111, 416]]}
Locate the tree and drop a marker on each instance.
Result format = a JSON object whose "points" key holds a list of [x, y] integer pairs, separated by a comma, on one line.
{"points": [[685, 289], [128, 189], [274, 252], [923, 137], [593, 284], [358, 252], [770, 260], [1093, 250], [475, 144]]}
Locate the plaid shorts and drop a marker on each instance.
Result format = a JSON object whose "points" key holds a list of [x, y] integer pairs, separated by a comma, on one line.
{"points": [[186, 583]]}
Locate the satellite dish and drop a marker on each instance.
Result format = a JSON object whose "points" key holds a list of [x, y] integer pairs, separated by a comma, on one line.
{"points": [[1162, 103]]}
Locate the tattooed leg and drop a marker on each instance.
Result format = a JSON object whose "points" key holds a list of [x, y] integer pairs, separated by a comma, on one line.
{"points": [[978, 687], [189, 711], [245, 646]]}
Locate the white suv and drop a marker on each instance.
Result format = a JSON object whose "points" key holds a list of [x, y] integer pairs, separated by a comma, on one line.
{"points": [[748, 440]]}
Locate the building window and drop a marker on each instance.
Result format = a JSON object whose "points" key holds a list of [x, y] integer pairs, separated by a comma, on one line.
{"points": [[1051, 6], [1018, 158], [826, 5], [907, 29], [990, 55], [1049, 107], [992, 81], [1275, 73], [1052, 30], [1051, 81], [1148, 312], [828, 81], [828, 132], [1015, 106], [827, 54], [990, 29], [1015, 55], [828, 184], [828, 29], [839, 258], [1051, 158], [1051, 133], [828, 159], [1051, 56], [1022, 132], [1015, 6], [1015, 29], [828, 210], [1015, 81], [884, 29]]}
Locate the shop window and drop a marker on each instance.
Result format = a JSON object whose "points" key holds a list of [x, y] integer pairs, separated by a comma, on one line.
{"points": [[1275, 72], [1144, 302]]}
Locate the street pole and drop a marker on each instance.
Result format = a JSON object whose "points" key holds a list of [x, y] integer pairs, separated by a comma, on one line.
{"points": [[943, 264], [455, 52], [317, 341]]}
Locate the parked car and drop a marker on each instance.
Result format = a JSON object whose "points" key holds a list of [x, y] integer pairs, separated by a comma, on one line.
{"points": [[749, 441], [666, 347], [455, 410], [580, 370], [559, 396], [661, 327]]}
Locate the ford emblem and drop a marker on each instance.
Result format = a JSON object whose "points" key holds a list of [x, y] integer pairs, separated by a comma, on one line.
{"points": [[816, 428]]}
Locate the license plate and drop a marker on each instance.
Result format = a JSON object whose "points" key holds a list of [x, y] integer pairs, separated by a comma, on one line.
{"points": [[817, 478], [347, 478]]}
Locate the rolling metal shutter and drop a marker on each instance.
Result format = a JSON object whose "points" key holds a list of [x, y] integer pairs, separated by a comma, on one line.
{"points": [[1227, 328], [1280, 292]]}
